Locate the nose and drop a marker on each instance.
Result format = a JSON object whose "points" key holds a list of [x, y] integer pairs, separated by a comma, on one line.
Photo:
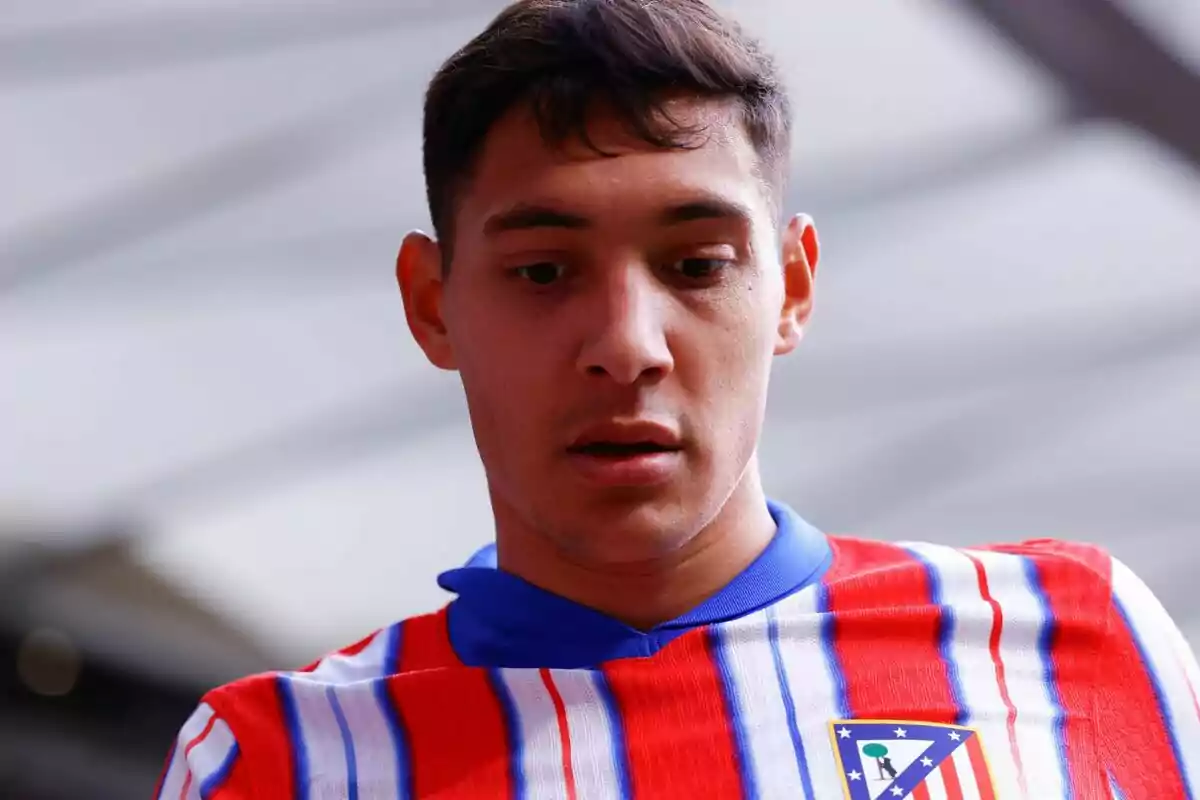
{"points": [[626, 337]]}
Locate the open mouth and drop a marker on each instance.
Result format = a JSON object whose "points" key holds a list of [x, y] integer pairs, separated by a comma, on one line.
{"points": [[626, 455], [621, 449]]}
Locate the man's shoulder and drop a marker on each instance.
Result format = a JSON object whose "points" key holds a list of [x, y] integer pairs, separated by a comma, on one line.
{"points": [[375, 656], [1042, 566]]}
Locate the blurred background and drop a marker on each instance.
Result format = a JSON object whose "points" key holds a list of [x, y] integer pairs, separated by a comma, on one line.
{"points": [[220, 452]]}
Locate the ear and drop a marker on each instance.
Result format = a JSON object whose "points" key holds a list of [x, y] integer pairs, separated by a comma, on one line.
{"points": [[419, 273], [800, 255]]}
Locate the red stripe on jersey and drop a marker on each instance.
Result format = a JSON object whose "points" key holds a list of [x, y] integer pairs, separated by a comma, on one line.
{"points": [[458, 743], [187, 782], [920, 792], [198, 738], [886, 634], [998, 665], [187, 786], [983, 775], [1134, 740], [679, 739], [950, 778], [564, 736], [1076, 591], [255, 715], [425, 644]]}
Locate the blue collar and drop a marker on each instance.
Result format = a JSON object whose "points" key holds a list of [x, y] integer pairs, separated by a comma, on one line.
{"points": [[499, 620]]}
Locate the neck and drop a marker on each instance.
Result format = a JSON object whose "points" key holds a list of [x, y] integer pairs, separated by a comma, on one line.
{"points": [[648, 592]]}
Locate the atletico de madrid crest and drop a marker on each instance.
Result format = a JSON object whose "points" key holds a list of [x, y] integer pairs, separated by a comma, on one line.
{"points": [[896, 759]]}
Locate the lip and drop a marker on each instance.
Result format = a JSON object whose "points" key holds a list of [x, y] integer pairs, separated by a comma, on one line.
{"points": [[633, 431], [638, 470], [631, 469]]}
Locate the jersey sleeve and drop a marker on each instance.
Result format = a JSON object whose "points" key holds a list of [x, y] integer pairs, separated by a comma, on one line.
{"points": [[1147, 711], [204, 762]]}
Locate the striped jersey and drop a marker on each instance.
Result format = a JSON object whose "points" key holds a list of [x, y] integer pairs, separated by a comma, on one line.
{"points": [[832, 669]]}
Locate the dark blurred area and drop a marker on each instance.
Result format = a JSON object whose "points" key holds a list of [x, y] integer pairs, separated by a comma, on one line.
{"points": [[219, 453]]}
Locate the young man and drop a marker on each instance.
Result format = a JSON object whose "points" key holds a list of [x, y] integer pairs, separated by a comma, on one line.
{"points": [[611, 281]]}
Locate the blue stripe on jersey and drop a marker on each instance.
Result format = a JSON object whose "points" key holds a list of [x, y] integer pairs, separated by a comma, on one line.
{"points": [[1045, 643], [391, 656], [399, 734], [516, 745], [717, 651], [1160, 699], [789, 705], [347, 743], [837, 677], [291, 718], [947, 622], [620, 751], [213, 782]]}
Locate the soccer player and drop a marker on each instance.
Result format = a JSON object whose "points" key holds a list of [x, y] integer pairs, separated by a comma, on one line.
{"points": [[612, 278]]}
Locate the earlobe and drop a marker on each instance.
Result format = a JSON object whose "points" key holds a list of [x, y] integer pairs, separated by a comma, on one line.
{"points": [[419, 275], [801, 252]]}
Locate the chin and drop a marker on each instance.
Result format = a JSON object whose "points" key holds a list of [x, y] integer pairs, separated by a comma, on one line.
{"points": [[629, 526]]}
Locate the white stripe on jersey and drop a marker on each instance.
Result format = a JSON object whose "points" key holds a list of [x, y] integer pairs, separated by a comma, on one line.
{"points": [[591, 735], [971, 658], [173, 778], [537, 723], [1022, 623], [177, 772], [319, 735], [770, 752], [366, 664], [960, 762], [809, 676], [1187, 658], [936, 786], [966, 775], [210, 754], [1167, 663], [379, 776]]}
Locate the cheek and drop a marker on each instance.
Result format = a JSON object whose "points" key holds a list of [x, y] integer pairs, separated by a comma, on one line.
{"points": [[745, 342], [731, 368], [507, 382]]}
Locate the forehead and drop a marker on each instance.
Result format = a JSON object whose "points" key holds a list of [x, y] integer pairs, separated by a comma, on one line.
{"points": [[627, 180]]}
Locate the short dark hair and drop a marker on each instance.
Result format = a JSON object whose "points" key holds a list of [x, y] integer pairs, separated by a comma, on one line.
{"points": [[562, 56]]}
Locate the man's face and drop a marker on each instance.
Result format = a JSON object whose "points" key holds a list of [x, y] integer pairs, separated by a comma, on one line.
{"points": [[614, 321]]}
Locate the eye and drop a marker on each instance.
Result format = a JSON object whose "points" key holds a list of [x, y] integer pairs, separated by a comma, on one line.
{"points": [[543, 273], [699, 269]]}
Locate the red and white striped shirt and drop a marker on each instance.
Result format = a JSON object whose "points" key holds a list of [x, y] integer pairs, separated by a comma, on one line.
{"points": [[1044, 670]]}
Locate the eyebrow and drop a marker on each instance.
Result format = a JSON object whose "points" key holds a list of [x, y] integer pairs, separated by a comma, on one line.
{"points": [[526, 216], [523, 216], [706, 208]]}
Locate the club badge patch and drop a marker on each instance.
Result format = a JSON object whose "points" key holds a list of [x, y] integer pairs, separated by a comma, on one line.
{"points": [[898, 759]]}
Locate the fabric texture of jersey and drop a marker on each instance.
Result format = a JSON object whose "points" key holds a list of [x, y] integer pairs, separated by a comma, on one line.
{"points": [[831, 669]]}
